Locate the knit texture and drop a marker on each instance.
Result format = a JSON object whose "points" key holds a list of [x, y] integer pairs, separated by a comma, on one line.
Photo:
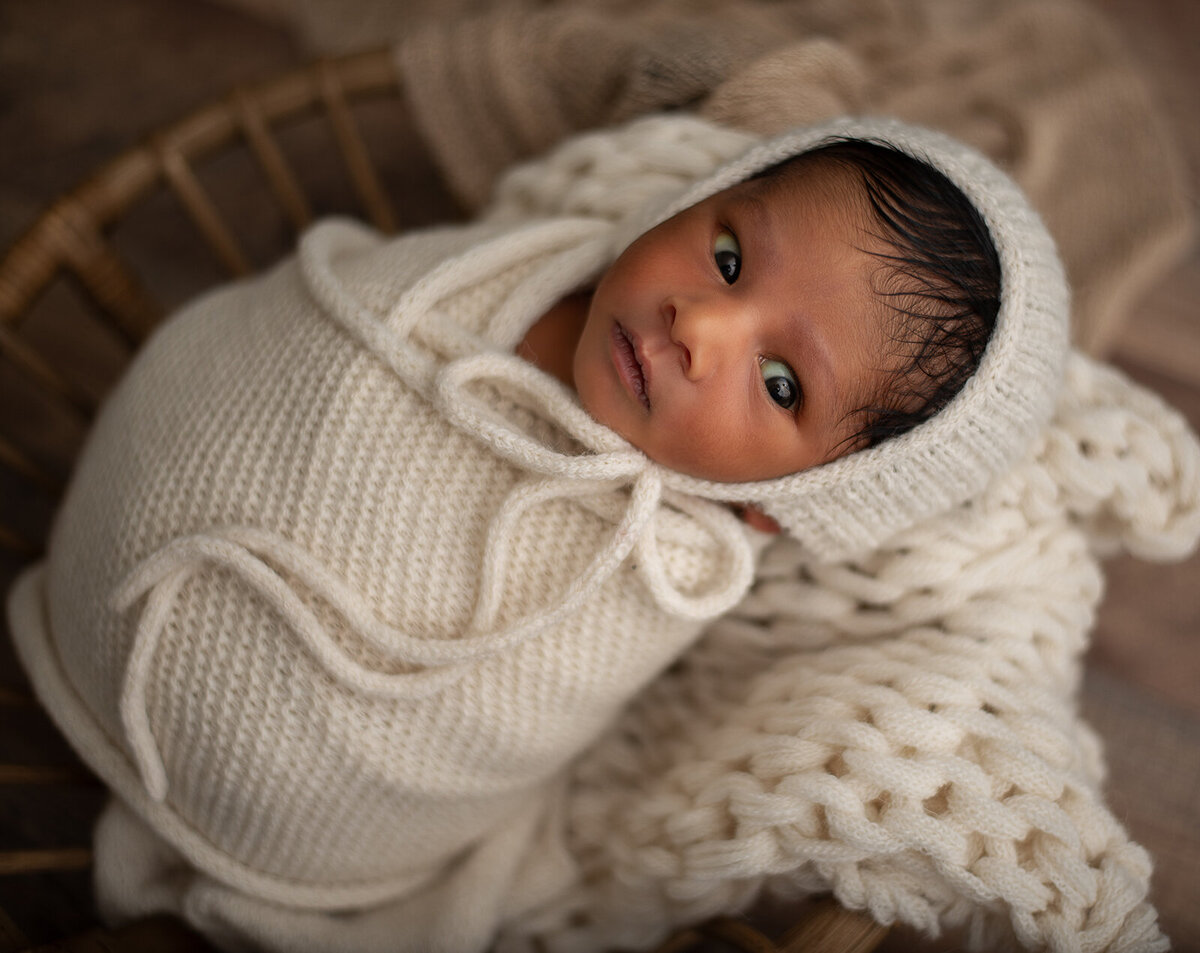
{"points": [[341, 586], [900, 729], [307, 593]]}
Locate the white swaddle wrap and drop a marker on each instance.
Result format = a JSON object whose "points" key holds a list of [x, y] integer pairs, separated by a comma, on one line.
{"points": [[341, 585], [348, 581]]}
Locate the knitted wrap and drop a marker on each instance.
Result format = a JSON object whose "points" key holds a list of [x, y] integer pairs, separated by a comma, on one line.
{"points": [[297, 496], [370, 582]]}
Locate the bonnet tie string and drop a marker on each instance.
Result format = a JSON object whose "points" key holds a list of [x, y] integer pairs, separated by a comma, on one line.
{"points": [[611, 459], [571, 250], [259, 558]]}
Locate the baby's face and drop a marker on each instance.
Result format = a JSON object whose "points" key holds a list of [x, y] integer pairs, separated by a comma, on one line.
{"points": [[734, 341]]}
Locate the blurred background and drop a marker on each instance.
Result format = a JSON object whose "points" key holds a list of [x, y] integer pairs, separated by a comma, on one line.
{"points": [[82, 81]]}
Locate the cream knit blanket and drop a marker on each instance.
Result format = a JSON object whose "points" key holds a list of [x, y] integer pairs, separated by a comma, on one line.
{"points": [[900, 729], [341, 583]]}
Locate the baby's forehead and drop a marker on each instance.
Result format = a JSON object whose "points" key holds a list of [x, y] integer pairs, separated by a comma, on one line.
{"points": [[809, 183]]}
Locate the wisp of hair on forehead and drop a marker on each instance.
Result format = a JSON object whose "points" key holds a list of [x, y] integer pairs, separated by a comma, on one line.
{"points": [[940, 279]]}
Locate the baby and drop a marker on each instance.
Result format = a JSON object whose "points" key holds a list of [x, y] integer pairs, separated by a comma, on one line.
{"points": [[862, 303], [360, 554]]}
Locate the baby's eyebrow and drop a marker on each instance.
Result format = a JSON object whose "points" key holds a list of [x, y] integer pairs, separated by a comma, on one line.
{"points": [[761, 238]]}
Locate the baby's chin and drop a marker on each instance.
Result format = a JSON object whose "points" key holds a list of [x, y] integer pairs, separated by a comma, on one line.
{"points": [[716, 471]]}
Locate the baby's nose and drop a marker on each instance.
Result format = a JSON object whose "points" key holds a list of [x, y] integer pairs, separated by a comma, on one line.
{"points": [[702, 330]]}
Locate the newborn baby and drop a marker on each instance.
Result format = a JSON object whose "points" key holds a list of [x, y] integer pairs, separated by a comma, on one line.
{"points": [[862, 301], [361, 553]]}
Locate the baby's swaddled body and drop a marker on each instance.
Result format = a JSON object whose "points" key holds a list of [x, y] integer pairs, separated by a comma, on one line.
{"points": [[343, 635]]}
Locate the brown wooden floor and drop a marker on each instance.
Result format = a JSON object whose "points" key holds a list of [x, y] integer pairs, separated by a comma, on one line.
{"points": [[80, 81]]}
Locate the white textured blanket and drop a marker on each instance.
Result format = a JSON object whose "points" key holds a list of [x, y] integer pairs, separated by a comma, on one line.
{"points": [[901, 729]]}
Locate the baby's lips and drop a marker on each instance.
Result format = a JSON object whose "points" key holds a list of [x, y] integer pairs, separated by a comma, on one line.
{"points": [[631, 366]]}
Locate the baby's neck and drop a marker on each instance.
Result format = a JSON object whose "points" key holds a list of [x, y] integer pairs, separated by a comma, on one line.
{"points": [[550, 342]]}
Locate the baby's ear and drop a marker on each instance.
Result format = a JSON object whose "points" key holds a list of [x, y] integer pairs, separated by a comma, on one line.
{"points": [[757, 519]]}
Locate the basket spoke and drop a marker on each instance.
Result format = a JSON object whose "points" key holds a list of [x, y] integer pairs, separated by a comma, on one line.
{"points": [[280, 177], [31, 363], [29, 266], [68, 237], [111, 285], [47, 859], [19, 463], [354, 151], [202, 211]]}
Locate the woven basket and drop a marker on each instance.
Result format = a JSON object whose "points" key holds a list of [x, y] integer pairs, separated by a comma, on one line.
{"points": [[81, 289]]}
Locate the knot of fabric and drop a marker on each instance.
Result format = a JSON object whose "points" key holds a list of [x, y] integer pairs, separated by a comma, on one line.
{"points": [[611, 465]]}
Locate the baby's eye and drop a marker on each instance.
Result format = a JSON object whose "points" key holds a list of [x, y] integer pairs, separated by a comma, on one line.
{"points": [[727, 253], [781, 383]]}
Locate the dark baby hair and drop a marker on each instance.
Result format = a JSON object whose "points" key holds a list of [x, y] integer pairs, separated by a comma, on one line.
{"points": [[941, 279]]}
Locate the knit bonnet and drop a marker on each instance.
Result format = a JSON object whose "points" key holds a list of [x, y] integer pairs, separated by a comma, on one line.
{"points": [[851, 505]]}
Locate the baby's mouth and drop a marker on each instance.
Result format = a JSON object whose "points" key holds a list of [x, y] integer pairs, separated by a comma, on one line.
{"points": [[628, 365]]}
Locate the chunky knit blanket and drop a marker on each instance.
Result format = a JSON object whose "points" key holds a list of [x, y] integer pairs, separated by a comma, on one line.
{"points": [[901, 729]]}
